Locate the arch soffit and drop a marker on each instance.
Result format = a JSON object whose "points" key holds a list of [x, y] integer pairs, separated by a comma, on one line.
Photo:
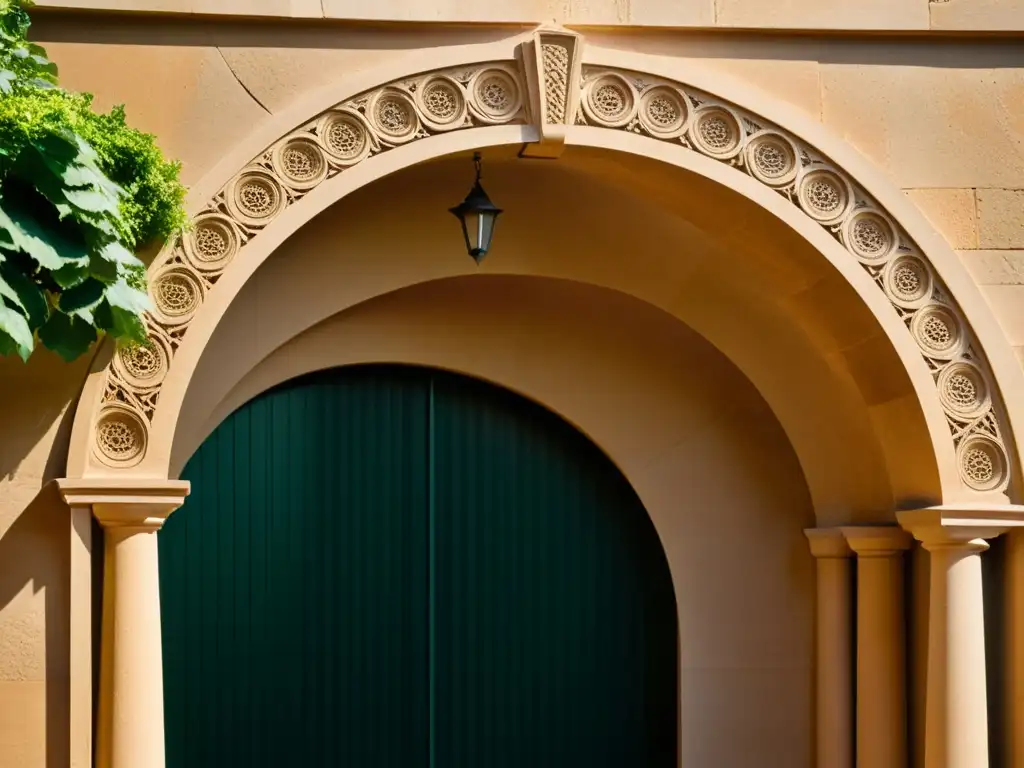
{"points": [[537, 89]]}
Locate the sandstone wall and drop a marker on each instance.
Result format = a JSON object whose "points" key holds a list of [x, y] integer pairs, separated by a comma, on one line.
{"points": [[942, 115]]}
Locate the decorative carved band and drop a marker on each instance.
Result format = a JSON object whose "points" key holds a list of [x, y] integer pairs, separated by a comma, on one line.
{"points": [[703, 123], [562, 93], [341, 137]]}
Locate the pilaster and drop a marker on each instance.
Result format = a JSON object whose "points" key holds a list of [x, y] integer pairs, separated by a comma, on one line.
{"points": [[130, 732]]}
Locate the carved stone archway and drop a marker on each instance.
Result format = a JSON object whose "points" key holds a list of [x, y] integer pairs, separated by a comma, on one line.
{"points": [[549, 88], [544, 94]]}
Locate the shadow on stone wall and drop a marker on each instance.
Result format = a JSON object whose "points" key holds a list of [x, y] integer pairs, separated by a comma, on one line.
{"points": [[34, 551], [37, 406]]}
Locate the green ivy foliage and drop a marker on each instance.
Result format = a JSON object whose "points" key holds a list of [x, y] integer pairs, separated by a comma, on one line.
{"points": [[80, 191]]}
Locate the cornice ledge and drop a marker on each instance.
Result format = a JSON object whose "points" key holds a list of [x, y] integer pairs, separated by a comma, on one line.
{"points": [[132, 503], [961, 523]]}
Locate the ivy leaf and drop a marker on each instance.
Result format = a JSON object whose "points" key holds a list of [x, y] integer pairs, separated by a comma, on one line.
{"points": [[48, 247], [116, 253], [77, 165], [82, 298], [120, 312], [15, 335], [38, 56], [58, 146], [82, 176], [30, 165], [118, 323], [70, 275], [7, 292], [121, 295], [17, 287], [64, 159], [92, 200], [101, 269], [68, 336]]}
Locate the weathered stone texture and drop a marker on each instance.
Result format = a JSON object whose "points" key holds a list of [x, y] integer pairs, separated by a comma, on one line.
{"points": [[995, 267], [995, 15], [1001, 218], [951, 211], [943, 126], [203, 109], [824, 14]]}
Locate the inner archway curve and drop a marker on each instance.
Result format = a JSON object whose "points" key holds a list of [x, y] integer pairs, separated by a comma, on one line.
{"points": [[732, 297]]}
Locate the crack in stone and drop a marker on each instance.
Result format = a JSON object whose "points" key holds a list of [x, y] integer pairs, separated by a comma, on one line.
{"points": [[239, 80]]}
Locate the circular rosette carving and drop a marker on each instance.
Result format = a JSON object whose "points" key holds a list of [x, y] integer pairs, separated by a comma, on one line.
{"points": [[212, 243], [177, 293], [345, 136], [255, 197], [442, 103], [392, 114], [716, 131], [664, 112], [907, 282], [771, 158], [300, 162], [609, 100], [964, 391], [143, 366], [495, 96], [824, 195], [870, 236], [982, 463], [120, 437], [938, 332]]}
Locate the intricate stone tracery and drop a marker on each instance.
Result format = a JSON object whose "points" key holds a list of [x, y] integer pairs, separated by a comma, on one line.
{"points": [[771, 158], [796, 170], [492, 94], [343, 136]]}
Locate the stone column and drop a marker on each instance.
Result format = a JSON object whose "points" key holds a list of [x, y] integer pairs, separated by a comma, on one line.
{"points": [[834, 648], [956, 707], [881, 648], [131, 689]]}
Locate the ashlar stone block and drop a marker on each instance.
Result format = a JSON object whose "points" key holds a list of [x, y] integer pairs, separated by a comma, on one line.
{"points": [[1001, 218]]}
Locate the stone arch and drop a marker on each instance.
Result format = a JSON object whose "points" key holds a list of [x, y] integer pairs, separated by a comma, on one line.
{"points": [[543, 91]]}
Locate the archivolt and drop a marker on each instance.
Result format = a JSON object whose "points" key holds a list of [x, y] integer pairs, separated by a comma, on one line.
{"points": [[553, 89]]}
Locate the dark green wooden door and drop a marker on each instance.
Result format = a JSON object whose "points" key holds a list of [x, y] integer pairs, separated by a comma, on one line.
{"points": [[383, 567]]}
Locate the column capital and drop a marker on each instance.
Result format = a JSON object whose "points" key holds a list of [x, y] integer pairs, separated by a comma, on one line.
{"points": [[877, 540], [961, 525], [828, 542], [129, 503]]}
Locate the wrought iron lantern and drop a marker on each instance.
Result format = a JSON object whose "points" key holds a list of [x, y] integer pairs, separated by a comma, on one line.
{"points": [[477, 214]]}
